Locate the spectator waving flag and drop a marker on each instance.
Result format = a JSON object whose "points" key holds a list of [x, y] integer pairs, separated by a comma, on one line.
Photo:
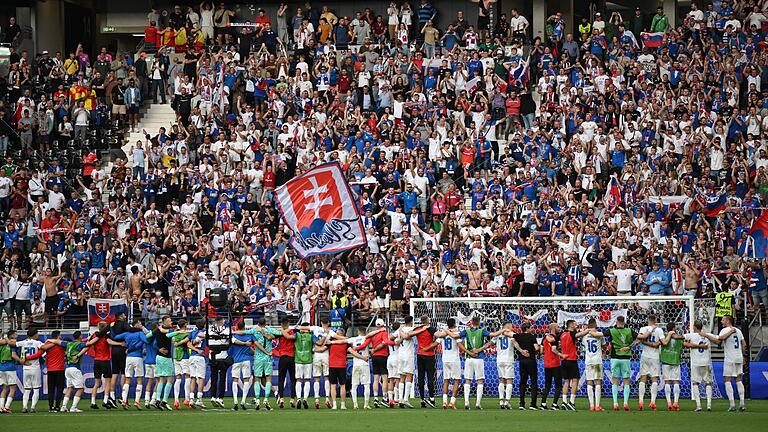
{"points": [[714, 203], [652, 40], [320, 210], [612, 198], [104, 310], [758, 237]]}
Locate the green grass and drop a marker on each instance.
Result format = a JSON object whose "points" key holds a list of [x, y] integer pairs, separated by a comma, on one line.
{"points": [[399, 420]]}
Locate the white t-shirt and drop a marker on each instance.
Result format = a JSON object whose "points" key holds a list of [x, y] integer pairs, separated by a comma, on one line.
{"points": [[450, 349], [529, 272], [732, 346], [624, 280], [657, 335], [505, 349], [593, 353], [699, 356]]}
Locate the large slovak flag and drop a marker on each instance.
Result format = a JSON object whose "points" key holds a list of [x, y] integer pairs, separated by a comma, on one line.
{"points": [[716, 203], [758, 237], [612, 198], [652, 40], [319, 208], [105, 310]]}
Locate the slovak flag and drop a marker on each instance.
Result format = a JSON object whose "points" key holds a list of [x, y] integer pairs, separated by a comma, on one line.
{"points": [[758, 236], [105, 310], [652, 40], [612, 198], [538, 321], [319, 208], [716, 203]]}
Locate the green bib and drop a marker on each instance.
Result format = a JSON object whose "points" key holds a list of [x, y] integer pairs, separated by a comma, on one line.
{"points": [[303, 348], [620, 337], [669, 354], [474, 338]]}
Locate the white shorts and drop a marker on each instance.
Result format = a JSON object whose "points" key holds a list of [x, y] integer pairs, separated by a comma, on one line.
{"points": [[670, 372], [241, 369], [149, 370], [452, 370], [7, 378], [74, 377], [134, 367], [506, 370], [303, 371], [701, 374], [361, 374], [733, 369], [474, 368], [405, 365], [320, 366], [649, 367], [381, 302], [393, 366], [197, 366], [594, 372], [181, 366], [32, 378]]}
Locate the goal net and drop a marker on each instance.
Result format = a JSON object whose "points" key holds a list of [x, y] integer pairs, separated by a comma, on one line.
{"points": [[539, 313]]}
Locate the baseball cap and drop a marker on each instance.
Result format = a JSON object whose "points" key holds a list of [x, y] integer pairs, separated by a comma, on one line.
{"points": [[379, 322]]}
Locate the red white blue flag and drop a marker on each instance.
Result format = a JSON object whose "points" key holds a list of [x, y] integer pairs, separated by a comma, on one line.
{"points": [[105, 310], [612, 198], [652, 40], [320, 210]]}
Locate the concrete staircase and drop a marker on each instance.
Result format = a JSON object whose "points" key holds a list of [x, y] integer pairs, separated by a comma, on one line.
{"points": [[156, 116]]}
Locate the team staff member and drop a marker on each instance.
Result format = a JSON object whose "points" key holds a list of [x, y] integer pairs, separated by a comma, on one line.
{"points": [[337, 362], [425, 360], [527, 364], [571, 374], [101, 351], [55, 360], [119, 354], [553, 375], [285, 364], [219, 335]]}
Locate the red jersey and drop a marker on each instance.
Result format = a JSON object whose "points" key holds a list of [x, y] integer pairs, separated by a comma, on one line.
{"points": [[285, 347], [54, 356], [568, 345], [100, 350], [375, 340], [337, 356], [269, 179], [550, 359], [426, 339]]}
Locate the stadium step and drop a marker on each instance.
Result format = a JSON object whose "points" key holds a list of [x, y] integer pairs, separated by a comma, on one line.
{"points": [[155, 117]]}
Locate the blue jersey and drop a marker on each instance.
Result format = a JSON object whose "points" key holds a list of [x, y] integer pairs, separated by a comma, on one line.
{"points": [[241, 353], [193, 336], [134, 343], [150, 353]]}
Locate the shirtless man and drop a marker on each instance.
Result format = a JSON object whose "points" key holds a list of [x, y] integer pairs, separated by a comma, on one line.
{"points": [[691, 278], [51, 292], [136, 280], [475, 275]]}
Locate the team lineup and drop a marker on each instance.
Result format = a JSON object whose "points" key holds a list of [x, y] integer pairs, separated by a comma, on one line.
{"points": [[178, 358]]}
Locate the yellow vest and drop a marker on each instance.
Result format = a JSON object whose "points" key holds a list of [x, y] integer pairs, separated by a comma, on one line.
{"points": [[723, 304]]}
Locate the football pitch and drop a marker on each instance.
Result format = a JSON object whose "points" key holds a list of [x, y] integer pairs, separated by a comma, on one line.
{"points": [[491, 418]]}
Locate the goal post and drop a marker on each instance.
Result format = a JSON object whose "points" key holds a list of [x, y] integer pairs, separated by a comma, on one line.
{"points": [[539, 312]]}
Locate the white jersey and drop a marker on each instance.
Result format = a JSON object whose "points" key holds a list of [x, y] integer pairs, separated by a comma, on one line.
{"points": [[407, 346], [699, 356], [394, 350], [357, 341], [593, 352], [29, 347], [505, 349], [657, 335], [732, 346], [318, 333], [450, 348]]}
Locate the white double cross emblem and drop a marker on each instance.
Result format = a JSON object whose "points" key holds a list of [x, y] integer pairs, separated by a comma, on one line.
{"points": [[318, 202]]}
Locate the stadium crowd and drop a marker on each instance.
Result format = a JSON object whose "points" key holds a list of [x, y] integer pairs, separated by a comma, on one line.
{"points": [[485, 162]]}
